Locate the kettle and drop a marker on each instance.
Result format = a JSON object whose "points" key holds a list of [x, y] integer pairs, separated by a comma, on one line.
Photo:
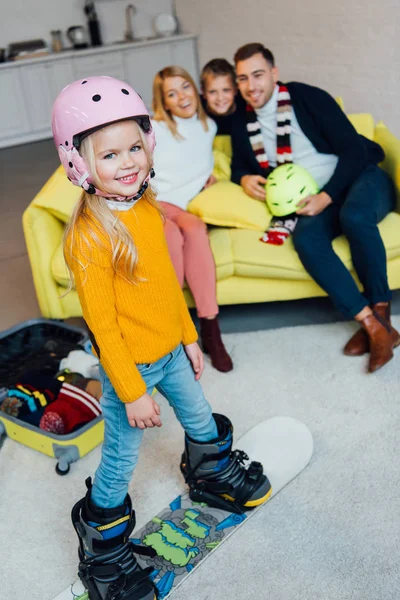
{"points": [[77, 36]]}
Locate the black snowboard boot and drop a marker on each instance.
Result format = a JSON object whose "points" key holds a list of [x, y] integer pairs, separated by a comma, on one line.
{"points": [[107, 565], [218, 476]]}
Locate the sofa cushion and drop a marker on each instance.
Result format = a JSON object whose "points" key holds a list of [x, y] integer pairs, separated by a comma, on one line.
{"points": [[251, 258], [240, 252], [220, 243], [222, 166], [390, 230], [221, 246], [58, 195], [222, 143], [226, 204]]}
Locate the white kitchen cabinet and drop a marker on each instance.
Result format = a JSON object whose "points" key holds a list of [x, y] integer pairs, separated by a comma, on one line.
{"points": [[59, 74], [28, 88], [141, 77], [41, 84], [36, 90], [103, 64], [14, 119]]}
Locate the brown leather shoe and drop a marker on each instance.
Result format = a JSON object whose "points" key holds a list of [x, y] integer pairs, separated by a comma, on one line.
{"points": [[213, 345], [358, 344], [382, 339]]}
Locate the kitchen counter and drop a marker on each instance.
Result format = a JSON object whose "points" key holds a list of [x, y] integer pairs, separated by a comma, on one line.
{"points": [[105, 48], [28, 87]]}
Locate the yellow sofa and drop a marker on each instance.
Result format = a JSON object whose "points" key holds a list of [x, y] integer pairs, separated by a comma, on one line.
{"points": [[247, 270]]}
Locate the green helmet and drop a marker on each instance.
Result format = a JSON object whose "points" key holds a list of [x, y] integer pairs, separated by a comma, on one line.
{"points": [[286, 186]]}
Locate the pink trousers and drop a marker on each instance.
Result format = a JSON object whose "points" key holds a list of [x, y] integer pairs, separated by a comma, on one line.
{"points": [[191, 256]]}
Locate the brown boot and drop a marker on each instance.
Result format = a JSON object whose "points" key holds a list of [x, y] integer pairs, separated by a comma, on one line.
{"points": [[358, 344], [382, 339], [214, 346]]}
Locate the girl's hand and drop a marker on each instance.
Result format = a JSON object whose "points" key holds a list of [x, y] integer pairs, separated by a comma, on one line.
{"points": [[313, 205], [195, 356], [210, 181], [143, 413]]}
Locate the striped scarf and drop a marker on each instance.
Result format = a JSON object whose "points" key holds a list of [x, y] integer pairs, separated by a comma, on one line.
{"points": [[283, 128], [280, 228]]}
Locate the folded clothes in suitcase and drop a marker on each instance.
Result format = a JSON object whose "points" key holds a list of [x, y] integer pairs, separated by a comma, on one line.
{"points": [[38, 346]]}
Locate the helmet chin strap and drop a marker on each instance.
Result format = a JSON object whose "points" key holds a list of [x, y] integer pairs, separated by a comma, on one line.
{"points": [[92, 190], [140, 193]]}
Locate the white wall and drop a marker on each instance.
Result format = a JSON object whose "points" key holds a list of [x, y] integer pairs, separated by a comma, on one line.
{"points": [[23, 20], [348, 47]]}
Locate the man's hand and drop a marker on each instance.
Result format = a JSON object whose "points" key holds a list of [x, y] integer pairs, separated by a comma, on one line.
{"points": [[253, 185], [313, 205], [143, 413], [195, 356], [210, 181]]}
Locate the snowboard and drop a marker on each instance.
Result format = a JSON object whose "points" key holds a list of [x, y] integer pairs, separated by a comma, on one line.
{"points": [[185, 533]]}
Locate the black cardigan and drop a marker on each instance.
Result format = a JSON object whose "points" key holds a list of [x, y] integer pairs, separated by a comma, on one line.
{"points": [[328, 129], [224, 122]]}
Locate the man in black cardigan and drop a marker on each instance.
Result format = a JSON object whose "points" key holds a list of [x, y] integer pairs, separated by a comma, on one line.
{"points": [[299, 123]]}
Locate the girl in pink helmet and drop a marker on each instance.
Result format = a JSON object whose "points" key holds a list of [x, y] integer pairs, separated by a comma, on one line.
{"points": [[140, 329]]}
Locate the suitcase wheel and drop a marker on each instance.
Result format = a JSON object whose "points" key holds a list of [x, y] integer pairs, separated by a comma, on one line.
{"points": [[62, 467]]}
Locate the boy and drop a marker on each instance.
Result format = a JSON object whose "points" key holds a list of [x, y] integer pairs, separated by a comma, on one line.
{"points": [[220, 97], [221, 100]]}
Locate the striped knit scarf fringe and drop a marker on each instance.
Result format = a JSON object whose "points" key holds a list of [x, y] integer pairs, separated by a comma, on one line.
{"points": [[283, 127]]}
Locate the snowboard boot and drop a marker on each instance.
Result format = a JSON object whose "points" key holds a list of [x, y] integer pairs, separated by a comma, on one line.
{"points": [[217, 475], [107, 566]]}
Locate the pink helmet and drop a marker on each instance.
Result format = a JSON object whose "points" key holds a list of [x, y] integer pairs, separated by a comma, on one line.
{"points": [[87, 105]]}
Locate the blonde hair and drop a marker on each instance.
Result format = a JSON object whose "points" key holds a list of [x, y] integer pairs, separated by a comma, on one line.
{"points": [[93, 213], [160, 113]]}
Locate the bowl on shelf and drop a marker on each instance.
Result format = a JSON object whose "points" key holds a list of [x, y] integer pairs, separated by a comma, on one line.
{"points": [[165, 24]]}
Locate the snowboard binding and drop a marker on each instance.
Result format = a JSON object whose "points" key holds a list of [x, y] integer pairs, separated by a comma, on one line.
{"points": [[217, 475]]}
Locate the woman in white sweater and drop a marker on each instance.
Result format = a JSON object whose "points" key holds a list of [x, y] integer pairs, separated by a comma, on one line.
{"points": [[183, 163]]}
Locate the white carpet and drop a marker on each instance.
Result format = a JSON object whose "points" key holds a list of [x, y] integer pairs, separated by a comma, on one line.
{"points": [[333, 534]]}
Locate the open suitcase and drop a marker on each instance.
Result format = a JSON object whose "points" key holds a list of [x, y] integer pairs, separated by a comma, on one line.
{"points": [[40, 344]]}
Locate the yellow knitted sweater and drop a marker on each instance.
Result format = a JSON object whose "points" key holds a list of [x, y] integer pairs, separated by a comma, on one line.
{"points": [[131, 323]]}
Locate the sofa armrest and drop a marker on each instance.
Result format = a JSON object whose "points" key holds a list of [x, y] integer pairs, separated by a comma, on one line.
{"points": [[43, 233], [391, 145]]}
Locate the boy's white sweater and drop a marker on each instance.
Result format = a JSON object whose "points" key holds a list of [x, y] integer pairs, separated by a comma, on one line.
{"points": [[182, 166]]}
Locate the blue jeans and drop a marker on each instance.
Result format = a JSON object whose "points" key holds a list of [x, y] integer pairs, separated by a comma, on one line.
{"points": [[173, 377], [370, 198]]}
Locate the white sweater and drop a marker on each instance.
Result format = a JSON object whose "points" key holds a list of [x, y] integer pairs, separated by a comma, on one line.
{"points": [[182, 166], [321, 166]]}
